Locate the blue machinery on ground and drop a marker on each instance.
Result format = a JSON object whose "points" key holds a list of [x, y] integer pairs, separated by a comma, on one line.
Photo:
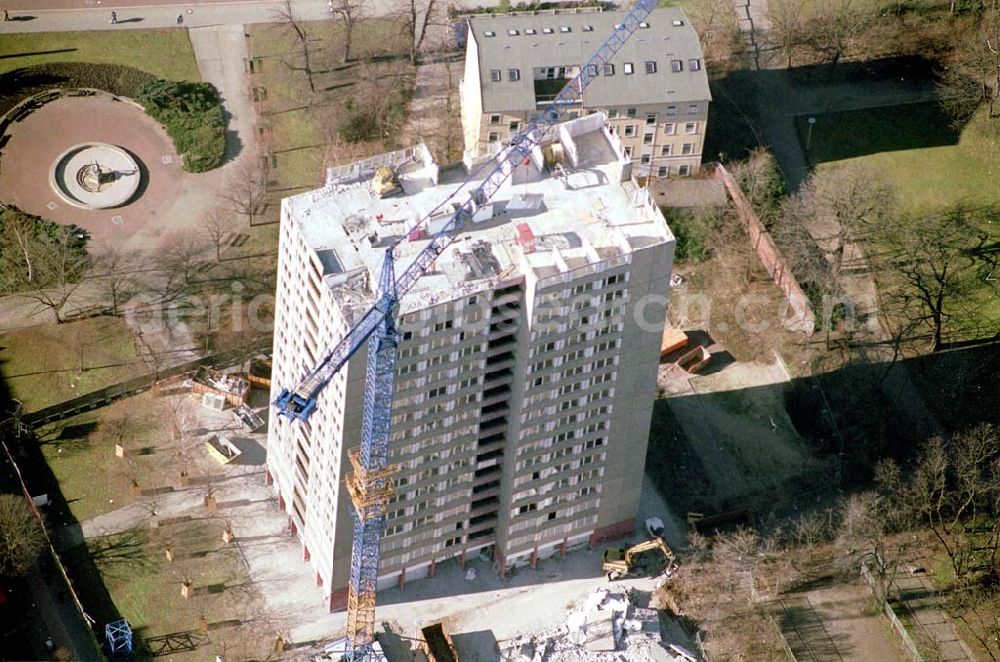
{"points": [[118, 638], [371, 486]]}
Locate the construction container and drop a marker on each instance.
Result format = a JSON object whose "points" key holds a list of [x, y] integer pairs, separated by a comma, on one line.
{"points": [[673, 340], [438, 644]]}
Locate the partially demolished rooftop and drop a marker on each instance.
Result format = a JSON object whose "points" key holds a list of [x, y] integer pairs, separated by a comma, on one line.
{"points": [[547, 223]]}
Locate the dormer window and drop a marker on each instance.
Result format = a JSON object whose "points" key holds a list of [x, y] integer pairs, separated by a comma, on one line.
{"points": [[588, 28], [644, 24], [530, 31], [547, 30], [495, 75], [489, 33], [512, 33], [564, 28], [677, 22]]}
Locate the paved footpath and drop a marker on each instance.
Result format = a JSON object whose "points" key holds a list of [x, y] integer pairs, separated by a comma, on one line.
{"points": [[73, 15]]}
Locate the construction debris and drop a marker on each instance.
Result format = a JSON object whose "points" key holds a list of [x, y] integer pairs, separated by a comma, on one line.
{"points": [[606, 627], [233, 388]]}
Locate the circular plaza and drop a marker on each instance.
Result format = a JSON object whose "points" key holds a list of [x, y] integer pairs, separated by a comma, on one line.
{"points": [[96, 161]]}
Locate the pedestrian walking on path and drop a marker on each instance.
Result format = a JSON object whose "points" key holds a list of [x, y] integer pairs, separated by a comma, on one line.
{"points": [[180, 19], [6, 16], [114, 18]]}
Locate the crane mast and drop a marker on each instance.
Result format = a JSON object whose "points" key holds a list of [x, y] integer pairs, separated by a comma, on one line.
{"points": [[371, 485]]}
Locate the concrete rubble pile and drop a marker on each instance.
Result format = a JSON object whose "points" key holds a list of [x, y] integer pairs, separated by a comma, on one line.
{"points": [[606, 627]]}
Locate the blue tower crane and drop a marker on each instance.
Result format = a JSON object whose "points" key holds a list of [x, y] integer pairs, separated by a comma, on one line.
{"points": [[371, 485]]}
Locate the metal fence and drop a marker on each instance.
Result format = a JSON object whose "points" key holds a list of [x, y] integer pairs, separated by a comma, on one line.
{"points": [[897, 625], [109, 394]]}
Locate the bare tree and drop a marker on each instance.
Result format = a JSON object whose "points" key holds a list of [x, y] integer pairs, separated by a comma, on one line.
{"points": [[836, 25], [181, 256], [59, 271], [179, 417], [20, 225], [217, 225], [930, 266], [953, 485], [977, 607], [350, 13], [974, 75], [787, 25], [245, 188], [715, 22], [114, 272], [417, 16], [21, 535], [286, 14]]}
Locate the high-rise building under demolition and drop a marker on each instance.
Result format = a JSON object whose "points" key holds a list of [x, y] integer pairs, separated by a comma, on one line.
{"points": [[526, 365]]}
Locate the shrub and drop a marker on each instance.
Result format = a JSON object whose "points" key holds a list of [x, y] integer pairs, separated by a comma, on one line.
{"points": [[694, 230], [192, 115], [114, 79], [25, 237]]}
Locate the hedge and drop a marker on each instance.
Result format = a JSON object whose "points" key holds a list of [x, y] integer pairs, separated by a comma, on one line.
{"points": [[192, 115], [115, 79]]}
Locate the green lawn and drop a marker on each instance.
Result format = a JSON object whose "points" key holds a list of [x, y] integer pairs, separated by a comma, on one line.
{"points": [[51, 363], [929, 164], [127, 575], [166, 53], [297, 119]]}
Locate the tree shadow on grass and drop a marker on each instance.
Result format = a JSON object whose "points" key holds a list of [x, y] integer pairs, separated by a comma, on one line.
{"points": [[128, 548]]}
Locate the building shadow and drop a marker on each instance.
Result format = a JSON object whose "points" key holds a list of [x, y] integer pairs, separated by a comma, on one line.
{"points": [[847, 419], [900, 113], [251, 452]]}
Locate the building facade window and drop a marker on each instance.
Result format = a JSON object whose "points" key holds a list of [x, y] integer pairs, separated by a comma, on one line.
{"points": [[494, 137], [693, 109], [670, 128], [647, 139], [663, 171], [494, 119], [691, 128], [630, 112], [630, 129], [650, 119], [644, 159], [514, 126], [495, 75], [687, 148], [684, 170], [612, 113], [665, 150], [514, 74], [671, 110]]}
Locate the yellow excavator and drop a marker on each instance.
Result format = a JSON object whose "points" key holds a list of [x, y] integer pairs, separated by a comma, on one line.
{"points": [[385, 182], [624, 561]]}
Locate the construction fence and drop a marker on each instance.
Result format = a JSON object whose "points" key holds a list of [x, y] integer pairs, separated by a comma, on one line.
{"points": [[803, 319], [109, 394]]}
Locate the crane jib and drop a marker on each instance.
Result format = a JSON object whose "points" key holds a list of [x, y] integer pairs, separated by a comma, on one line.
{"points": [[300, 401]]}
